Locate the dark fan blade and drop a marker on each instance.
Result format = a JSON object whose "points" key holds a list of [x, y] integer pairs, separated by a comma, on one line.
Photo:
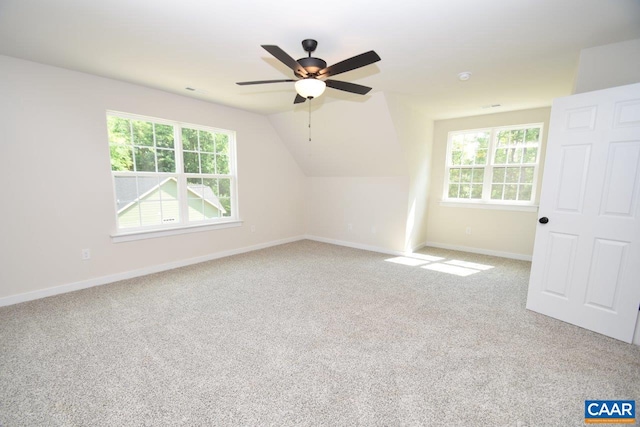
{"points": [[348, 87], [299, 99], [283, 57], [259, 82], [350, 64]]}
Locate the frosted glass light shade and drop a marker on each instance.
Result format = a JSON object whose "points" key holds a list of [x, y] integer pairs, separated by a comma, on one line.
{"points": [[310, 87]]}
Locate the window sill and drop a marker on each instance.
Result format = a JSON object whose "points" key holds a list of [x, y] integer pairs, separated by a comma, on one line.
{"points": [[485, 205], [152, 234]]}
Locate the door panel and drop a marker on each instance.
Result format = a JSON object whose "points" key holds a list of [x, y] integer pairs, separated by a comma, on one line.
{"points": [[586, 260], [561, 253], [621, 183], [573, 178], [604, 281]]}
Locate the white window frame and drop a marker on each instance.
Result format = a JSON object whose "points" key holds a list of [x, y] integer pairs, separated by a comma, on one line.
{"points": [[183, 225], [486, 201]]}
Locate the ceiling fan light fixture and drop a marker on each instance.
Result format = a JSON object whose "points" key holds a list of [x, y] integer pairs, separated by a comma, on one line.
{"points": [[310, 87]]}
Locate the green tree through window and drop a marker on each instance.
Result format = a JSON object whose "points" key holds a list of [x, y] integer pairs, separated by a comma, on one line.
{"points": [[168, 174], [493, 165]]}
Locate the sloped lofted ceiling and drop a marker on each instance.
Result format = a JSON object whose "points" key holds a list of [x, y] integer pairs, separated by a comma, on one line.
{"points": [[522, 53], [347, 139]]}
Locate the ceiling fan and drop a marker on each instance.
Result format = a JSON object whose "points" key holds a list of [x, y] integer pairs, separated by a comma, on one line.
{"points": [[313, 73]]}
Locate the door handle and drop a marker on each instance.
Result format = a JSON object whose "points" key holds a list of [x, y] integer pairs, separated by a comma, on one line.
{"points": [[543, 220]]}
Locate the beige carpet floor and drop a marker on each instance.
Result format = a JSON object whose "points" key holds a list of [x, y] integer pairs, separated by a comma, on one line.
{"points": [[307, 334]]}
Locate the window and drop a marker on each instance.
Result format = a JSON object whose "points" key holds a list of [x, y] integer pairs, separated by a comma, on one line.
{"points": [[168, 174], [498, 165]]}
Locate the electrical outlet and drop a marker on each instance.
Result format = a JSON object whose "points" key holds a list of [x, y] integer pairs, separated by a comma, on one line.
{"points": [[468, 230], [374, 230], [86, 254], [349, 227], [253, 228]]}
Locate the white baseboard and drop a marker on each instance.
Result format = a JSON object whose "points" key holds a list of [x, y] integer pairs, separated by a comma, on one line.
{"points": [[352, 245], [511, 255], [356, 245], [89, 283]]}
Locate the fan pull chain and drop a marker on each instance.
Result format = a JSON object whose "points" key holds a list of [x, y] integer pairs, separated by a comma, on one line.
{"points": [[309, 119]]}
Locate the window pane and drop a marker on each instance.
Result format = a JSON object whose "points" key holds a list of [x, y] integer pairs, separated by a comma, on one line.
{"points": [[203, 202], [126, 189], [483, 140], [170, 212], [514, 155], [192, 185], [510, 191], [465, 175], [191, 162], [457, 142], [222, 164], [481, 157], [166, 161], [530, 154], [121, 158], [454, 175], [478, 175], [496, 191], [453, 191], [224, 187], [525, 192], [206, 163], [222, 143], [169, 201], [206, 141], [465, 191], [150, 213], [512, 175], [226, 204], [526, 175], [503, 138], [142, 133], [164, 136], [119, 130], [468, 156], [498, 175], [212, 184], [145, 159], [196, 209], [189, 139], [456, 157], [517, 136], [533, 135], [476, 191], [501, 156]]}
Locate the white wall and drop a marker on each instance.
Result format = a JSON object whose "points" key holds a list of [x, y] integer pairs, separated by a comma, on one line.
{"points": [[608, 66], [415, 134], [58, 195], [502, 232], [368, 167], [375, 207]]}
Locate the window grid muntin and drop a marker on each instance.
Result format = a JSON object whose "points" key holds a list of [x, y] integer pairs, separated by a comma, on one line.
{"points": [[488, 183], [229, 136]]}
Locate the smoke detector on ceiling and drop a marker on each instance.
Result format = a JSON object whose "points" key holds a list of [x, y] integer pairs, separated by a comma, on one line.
{"points": [[464, 76]]}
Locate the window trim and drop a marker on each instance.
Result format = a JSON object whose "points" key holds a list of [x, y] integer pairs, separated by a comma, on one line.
{"points": [[129, 236], [486, 202], [184, 226]]}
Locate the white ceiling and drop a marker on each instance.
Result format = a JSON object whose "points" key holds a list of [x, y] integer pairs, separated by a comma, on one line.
{"points": [[522, 53]]}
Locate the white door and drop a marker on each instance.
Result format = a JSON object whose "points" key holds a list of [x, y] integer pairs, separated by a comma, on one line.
{"points": [[586, 258]]}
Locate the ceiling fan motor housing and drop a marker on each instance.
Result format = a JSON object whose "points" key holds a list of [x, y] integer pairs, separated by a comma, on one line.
{"points": [[312, 65]]}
